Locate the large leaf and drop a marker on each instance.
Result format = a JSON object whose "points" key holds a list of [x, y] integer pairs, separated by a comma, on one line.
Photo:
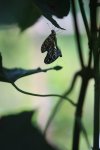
{"points": [[18, 133], [26, 12], [54, 7], [21, 12]]}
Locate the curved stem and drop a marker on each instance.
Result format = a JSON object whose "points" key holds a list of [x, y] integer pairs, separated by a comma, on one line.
{"points": [[45, 95], [60, 101]]}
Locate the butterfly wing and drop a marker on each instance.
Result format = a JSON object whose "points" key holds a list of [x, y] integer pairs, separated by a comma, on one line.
{"points": [[48, 43], [52, 55]]}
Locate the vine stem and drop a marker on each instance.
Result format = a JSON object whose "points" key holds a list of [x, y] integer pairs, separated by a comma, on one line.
{"points": [[96, 103], [81, 4], [78, 114], [59, 103], [95, 44], [79, 47], [44, 95]]}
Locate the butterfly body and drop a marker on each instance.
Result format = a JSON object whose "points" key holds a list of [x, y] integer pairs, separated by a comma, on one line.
{"points": [[50, 45]]}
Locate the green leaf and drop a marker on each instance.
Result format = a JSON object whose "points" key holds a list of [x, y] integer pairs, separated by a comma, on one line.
{"points": [[29, 16], [25, 13], [54, 7], [19, 12]]}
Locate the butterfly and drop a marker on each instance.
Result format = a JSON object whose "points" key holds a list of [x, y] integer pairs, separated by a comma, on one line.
{"points": [[49, 42], [50, 45], [52, 55]]}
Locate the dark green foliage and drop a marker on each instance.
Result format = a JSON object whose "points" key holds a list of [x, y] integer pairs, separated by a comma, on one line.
{"points": [[18, 133], [21, 12], [25, 13], [53, 7], [57, 8]]}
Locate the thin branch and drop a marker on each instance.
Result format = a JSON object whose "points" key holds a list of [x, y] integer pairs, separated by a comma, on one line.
{"points": [[84, 132], [52, 115], [90, 58], [77, 34], [96, 56], [12, 75], [81, 4], [45, 95], [59, 103], [38, 70], [84, 18], [78, 113], [72, 84]]}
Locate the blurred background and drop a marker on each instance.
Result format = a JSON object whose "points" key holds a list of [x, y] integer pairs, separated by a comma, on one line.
{"points": [[24, 50]]}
